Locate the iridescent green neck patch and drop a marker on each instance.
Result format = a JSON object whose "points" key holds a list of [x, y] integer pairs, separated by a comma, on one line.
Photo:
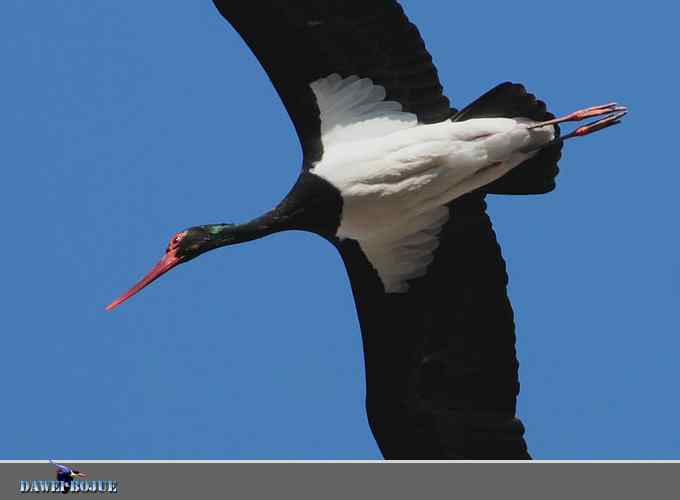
{"points": [[217, 228]]}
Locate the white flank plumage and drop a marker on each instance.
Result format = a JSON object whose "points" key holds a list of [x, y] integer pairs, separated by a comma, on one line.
{"points": [[396, 176]]}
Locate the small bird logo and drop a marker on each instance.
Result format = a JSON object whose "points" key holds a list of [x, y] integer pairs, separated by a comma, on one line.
{"points": [[66, 474]]}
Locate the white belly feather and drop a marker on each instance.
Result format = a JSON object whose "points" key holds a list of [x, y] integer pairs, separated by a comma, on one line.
{"points": [[396, 176]]}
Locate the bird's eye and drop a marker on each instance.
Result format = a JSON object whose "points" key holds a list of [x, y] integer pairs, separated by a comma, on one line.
{"points": [[174, 242]]}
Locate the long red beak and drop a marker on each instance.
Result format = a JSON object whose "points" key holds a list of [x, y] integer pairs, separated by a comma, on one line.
{"points": [[168, 261]]}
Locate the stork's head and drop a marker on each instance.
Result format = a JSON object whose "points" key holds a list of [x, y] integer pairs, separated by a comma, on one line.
{"points": [[183, 247]]}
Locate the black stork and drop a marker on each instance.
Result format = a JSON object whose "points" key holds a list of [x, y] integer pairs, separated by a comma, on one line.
{"points": [[396, 180]]}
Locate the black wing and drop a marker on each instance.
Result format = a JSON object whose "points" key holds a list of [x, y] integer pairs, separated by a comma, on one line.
{"points": [[298, 42], [441, 369]]}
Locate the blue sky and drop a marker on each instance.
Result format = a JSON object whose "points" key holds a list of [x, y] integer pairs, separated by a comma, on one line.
{"points": [[123, 122]]}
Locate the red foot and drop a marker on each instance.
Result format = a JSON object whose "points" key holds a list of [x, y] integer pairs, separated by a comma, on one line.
{"points": [[596, 125], [613, 110]]}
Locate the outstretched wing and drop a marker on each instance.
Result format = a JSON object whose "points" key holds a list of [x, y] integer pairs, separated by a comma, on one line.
{"points": [[368, 43], [441, 368]]}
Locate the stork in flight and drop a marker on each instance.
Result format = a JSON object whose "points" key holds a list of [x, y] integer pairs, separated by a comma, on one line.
{"points": [[395, 179]]}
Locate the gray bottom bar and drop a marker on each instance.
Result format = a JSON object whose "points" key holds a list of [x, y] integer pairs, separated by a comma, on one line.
{"points": [[376, 480]]}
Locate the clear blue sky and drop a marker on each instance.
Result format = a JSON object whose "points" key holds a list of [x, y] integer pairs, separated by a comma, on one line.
{"points": [[123, 122]]}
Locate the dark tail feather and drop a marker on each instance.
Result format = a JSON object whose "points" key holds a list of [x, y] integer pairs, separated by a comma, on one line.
{"points": [[511, 100]]}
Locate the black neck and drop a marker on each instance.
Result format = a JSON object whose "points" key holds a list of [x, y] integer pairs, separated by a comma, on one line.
{"points": [[312, 205]]}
